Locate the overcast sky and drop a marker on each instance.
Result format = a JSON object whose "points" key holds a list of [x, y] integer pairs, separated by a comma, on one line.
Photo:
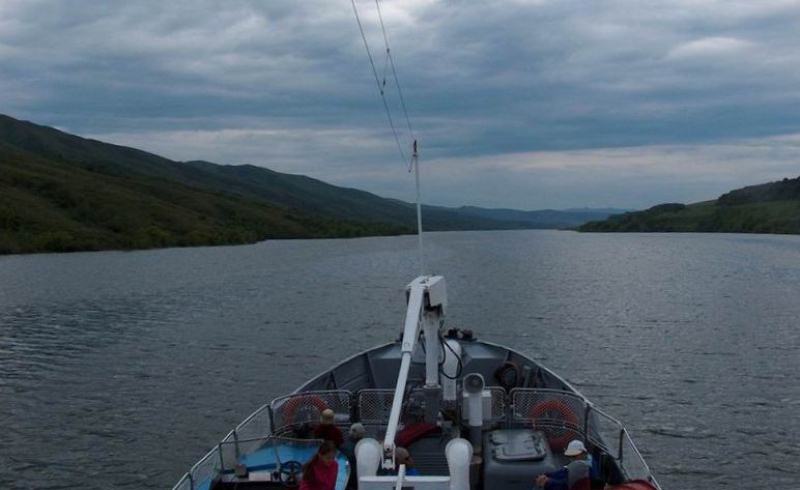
{"points": [[525, 104]]}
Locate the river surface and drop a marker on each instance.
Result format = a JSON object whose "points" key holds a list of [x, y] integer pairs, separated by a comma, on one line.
{"points": [[120, 369]]}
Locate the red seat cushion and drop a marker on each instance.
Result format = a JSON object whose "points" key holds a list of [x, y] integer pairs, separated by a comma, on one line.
{"points": [[414, 432]]}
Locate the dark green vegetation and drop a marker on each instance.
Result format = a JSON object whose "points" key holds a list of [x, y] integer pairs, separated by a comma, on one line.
{"points": [[60, 192], [764, 208]]}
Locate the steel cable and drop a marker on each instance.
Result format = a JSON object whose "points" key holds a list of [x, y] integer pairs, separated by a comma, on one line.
{"points": [[381, 86]]}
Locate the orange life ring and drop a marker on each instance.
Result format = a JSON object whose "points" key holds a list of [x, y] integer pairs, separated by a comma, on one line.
{"points": [[296, 402], [558, 439]]}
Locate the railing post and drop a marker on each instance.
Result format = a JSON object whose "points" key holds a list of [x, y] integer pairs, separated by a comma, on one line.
{"points": [[271, 419], [236, 444], [587, 407], [277, 453], [191, 480], [221, 459], [621, 439]]}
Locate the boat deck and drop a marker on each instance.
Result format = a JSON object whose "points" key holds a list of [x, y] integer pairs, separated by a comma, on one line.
{"points": [[428, 455], [360, 389], [263, 462]]}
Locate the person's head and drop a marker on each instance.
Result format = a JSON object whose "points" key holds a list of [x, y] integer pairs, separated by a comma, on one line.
{"points": [[401, 456], [575, 450], [357, 431], [326, 417]]}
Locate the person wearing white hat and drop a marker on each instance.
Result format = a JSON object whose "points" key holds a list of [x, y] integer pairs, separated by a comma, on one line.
{"points": [[574, 476]]}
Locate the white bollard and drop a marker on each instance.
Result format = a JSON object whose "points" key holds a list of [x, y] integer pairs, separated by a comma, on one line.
{"points": [[459, 455], [369, 454]]}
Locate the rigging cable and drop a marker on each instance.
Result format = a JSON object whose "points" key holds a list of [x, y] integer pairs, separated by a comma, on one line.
{"points": [[413, 162], [379, 84], [394, 70]]}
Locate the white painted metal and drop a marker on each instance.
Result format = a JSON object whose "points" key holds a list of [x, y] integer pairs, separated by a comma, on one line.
{"points": [[452, 353], [459, 456], [475, 403], [486, 398], [420, 250], [416, 297], [394, 416], [433, 349], [473, 389], [415, 482], [423, 292], [401, 476], [368, 457], [436, 289]]}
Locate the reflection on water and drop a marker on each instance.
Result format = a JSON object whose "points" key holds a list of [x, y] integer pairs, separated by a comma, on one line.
{"points": [[122, 369]]}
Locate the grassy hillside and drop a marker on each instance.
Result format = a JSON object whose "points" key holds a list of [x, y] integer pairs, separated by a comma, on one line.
{"points": [[299, 193], [318, 197], [50, 206], [61, 192], [47, 204], [766, 208]]}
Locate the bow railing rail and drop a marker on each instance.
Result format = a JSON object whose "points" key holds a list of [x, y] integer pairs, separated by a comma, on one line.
{"points": [[561, 415], [564, 415], [267, 423]]}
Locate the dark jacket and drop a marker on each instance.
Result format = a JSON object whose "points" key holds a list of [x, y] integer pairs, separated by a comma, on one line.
{"points": [[574, 476], [329, 432]]}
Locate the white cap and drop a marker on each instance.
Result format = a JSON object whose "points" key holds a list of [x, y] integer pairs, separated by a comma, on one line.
{"points": [[357, 430], [575, 448]]}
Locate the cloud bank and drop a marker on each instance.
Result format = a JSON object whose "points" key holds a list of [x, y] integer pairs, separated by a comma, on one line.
{"points": [[517, 103]]}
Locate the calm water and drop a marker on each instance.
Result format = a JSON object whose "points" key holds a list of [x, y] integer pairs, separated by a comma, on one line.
{"points": [[121, 369]]}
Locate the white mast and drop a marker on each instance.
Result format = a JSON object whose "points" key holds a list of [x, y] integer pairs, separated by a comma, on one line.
{"points": [[415, 163], [380, 82]]}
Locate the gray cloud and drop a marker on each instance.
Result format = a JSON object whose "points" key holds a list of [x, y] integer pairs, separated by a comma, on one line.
{"points": [[286, 84]]}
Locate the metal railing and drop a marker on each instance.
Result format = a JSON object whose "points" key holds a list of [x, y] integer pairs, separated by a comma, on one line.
{"points": [[498, 413], [275, 445], [261, 427], [564, 415], [561, 415], [203, 473], [259, 423], [185, 483], [374, 405], [292, 411]]}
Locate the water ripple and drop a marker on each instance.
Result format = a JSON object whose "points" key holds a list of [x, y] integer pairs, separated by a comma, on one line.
{"points": [[121, 369]]}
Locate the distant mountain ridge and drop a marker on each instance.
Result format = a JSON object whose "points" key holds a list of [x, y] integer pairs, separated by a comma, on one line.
{"points": [[773, 207], [543, 218], [61, 192]]}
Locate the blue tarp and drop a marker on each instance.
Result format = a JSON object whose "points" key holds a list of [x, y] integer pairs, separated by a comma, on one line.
{"points": [[267, 458]]}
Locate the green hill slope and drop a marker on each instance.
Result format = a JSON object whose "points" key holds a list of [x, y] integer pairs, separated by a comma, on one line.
{"points": [[49, 206], [61, 192], [766, 208], [318, 197], [296, 192]]}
